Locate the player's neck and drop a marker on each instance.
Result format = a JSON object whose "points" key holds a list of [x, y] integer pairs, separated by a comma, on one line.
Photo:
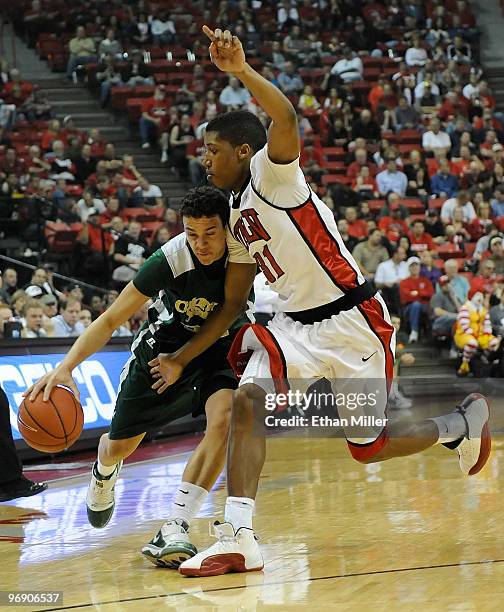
{"points": [[241, 182]]}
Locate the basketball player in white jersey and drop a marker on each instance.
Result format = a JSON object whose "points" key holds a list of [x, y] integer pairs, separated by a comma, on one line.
{"points": [[332, 325]]}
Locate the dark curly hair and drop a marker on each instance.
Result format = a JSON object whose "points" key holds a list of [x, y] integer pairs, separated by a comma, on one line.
{"points": [[239, 127], [205, 201]]}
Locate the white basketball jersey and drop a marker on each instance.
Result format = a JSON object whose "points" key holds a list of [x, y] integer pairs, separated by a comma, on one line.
{"points": [[292, 235]]}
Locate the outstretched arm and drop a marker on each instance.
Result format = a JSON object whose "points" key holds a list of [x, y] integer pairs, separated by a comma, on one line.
{"points": [[227, 54]]}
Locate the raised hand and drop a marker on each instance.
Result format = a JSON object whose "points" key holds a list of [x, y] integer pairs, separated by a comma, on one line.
{"points": [[226, 50]]}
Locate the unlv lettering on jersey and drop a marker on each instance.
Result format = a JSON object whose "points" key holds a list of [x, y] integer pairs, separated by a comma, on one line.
{"points": [[249, 229]]}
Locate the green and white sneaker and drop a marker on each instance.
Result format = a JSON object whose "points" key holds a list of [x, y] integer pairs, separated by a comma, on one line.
{"points": [[100, 499], [171, 545]]}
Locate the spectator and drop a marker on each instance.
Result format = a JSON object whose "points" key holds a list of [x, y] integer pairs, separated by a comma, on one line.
{"points": [[419, 238], [348, 68], [416, 292], [406, 115], [181, 135], [34, 320], [428, 269], [388, 275], [416, 55], [67, 324], [392, 224], [498, 202], [234, 96], [162, 29], [308, 100], [444, 308], [436, 141], [473, 330], [356, 227], [349, 241], [496, 253], [486, 279], [6, 315], [38, 284], [82, 51], [458, 283], [49, 305], [9, 284], [361, 160], [154, 111], [391, 179], [461, 200], [147, 194], [444, 184], [289, 81], [130, 252], [85, 164], [136, 71], [108, 76], [85, 317], [88, 204], [459, 51], [161, 237], [109, 46], [366, 127], [370, 253], [496, 317]]}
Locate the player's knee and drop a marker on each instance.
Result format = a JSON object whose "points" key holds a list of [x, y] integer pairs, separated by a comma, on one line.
{"points": [[247, 397], [120, 449]]}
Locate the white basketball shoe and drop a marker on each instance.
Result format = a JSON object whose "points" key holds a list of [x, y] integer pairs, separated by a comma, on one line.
{"points": [[171, 545], [100, 499], [233, 552], [474, 448]]}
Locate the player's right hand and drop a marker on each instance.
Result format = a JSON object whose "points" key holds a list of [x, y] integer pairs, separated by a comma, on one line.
{"points": [[59, 376], [226, 50]]}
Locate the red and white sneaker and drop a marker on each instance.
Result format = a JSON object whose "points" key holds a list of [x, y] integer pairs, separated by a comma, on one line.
{"points": [[474, 449], [233, 552]]}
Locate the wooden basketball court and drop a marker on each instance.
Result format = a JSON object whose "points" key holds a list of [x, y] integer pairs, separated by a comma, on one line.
{"points": [[336, 535]]}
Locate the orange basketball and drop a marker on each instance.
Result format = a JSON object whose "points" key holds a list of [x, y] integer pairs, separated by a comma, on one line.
{"points": [[54, 425]]}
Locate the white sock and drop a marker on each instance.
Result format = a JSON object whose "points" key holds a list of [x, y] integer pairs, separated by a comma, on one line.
{"points": [[239, 511], [105, 470], [188, 501], [451, 427]]}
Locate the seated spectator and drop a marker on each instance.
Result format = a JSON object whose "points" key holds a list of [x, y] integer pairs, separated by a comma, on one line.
{"points": [[416, 292], [474, 330], [155, 111], [496, 253], [497, 202], [486, 278], [88, 203], [370, 253], [348, 68], [62, 166], [497, 317], [162, 29], [478, 226], [109, 46], [36, 107], [136, 71], [278, 59], [349, 241], [234, 96], [444, 184], [289, 81], [82, 51], [444, 307], [365, 185], [459, 51], [428, 269], [392, 224], [85, 317], [6, 316], [85, 164], [356, 227], [147, 194], [49, 305], [108, 75], [173, 221], [419, 238], [416, 55], [361, 160], [12, 164], [67, 324], [181, 135], [406, 115], [34, 320], [38, 284], [366, 127], [458, 282], [130, 252], [162, 237], [8, 285], [388, 275], [436, 141], [307, 101], [391, 179], [460, 200]]}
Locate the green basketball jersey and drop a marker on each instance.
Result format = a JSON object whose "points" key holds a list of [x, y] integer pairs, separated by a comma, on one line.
{"points": [[184, 291]]}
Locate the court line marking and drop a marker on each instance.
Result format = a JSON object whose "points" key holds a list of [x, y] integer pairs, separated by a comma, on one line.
{"points": [[275, 583]]}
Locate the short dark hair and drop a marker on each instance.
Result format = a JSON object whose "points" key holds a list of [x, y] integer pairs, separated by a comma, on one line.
{"points": [[205, 201], [239, 127]]}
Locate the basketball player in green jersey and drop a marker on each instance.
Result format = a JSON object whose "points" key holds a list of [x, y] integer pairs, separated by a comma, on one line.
{"points": [[187, 277]]}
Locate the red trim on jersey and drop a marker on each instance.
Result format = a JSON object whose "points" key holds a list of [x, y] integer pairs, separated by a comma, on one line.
{"points": [[323, 244], [362, 452], [239, 358]]}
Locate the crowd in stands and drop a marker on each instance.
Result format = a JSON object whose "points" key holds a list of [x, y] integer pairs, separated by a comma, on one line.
{"points": [[400, 133]]}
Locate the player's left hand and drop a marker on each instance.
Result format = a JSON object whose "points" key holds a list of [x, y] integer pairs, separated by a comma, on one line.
{"points": [[226, 50], [166, 369]]}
